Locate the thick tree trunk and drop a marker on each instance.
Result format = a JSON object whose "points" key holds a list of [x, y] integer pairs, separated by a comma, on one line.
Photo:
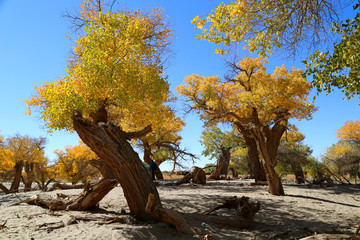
{"points": [[111, 145], [274, 181], [234, 172], [30, 175], [256, 169], [299, 173], [17, 177], [269, 141], [158, 173], [225, 164], [222, 164], [105, 171]]}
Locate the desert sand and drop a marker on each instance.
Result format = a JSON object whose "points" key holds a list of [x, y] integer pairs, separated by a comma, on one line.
{"points": [[305, 210]]}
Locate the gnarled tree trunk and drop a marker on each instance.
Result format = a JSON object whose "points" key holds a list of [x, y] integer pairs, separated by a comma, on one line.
{"points": [[89, 198], [222, 164], [17, 177], [105, 171], [269, 141], [256, 169], [234, 172], [299, 173], [29, 169], [111, 145]]}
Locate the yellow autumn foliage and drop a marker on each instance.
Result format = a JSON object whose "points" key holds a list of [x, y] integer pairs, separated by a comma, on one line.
{"points": [[282, 93]]}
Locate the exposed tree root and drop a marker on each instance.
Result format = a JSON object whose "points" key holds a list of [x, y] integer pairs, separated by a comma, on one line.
{"points": [[167, 216], [243, 219]]}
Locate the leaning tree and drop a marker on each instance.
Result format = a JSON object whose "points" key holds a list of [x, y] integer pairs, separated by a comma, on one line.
{"points": [[257, 103], [116, 66]]}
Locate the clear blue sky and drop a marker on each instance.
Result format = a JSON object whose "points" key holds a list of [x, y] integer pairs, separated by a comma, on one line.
{"points": [[34, 49]]}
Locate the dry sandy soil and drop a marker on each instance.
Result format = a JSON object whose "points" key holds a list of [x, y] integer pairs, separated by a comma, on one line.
{"points": [[305, 210]]}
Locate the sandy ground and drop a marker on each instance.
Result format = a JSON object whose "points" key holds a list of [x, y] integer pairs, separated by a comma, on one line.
{"points": [[305, 210]]}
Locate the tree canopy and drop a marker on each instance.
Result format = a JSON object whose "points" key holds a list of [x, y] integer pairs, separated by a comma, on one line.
{"points": [[338, 68], [72, 164], [262, 26], [350, 132], [259, 104], [117, 66]]}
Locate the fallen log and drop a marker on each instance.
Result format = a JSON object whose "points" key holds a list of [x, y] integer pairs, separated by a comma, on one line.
{"points": [[244, 208], [197, 175], [330, 237], [89, 198], [63, 186]]}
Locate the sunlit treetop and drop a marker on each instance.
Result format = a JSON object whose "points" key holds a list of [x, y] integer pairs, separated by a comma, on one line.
{"points": [[350, 132], [271, 97], [73, 163], [338, 68], [262, 26], [117, 63]]}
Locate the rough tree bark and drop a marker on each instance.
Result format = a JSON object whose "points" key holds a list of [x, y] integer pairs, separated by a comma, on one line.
{"points": [[89, 198], [234, 172], [30, 175], [105, 171], [17, 177], [269, 141], [244, 208], [299, 173], [222, 164], [256, 169], [111, 145], [196, 174]]}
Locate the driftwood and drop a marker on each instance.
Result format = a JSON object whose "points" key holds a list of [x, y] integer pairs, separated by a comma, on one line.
{"points": [[331, 237], [320, 179], [245, 211], [197, 175], [63, 186], [88, 199]]}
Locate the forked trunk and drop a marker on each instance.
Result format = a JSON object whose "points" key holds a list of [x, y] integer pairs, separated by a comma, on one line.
{"points": [[256, 168], [111, 145], [269, 141]]}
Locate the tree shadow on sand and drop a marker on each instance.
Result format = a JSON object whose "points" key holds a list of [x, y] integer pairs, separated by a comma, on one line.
{"points": [[277, 218]]}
